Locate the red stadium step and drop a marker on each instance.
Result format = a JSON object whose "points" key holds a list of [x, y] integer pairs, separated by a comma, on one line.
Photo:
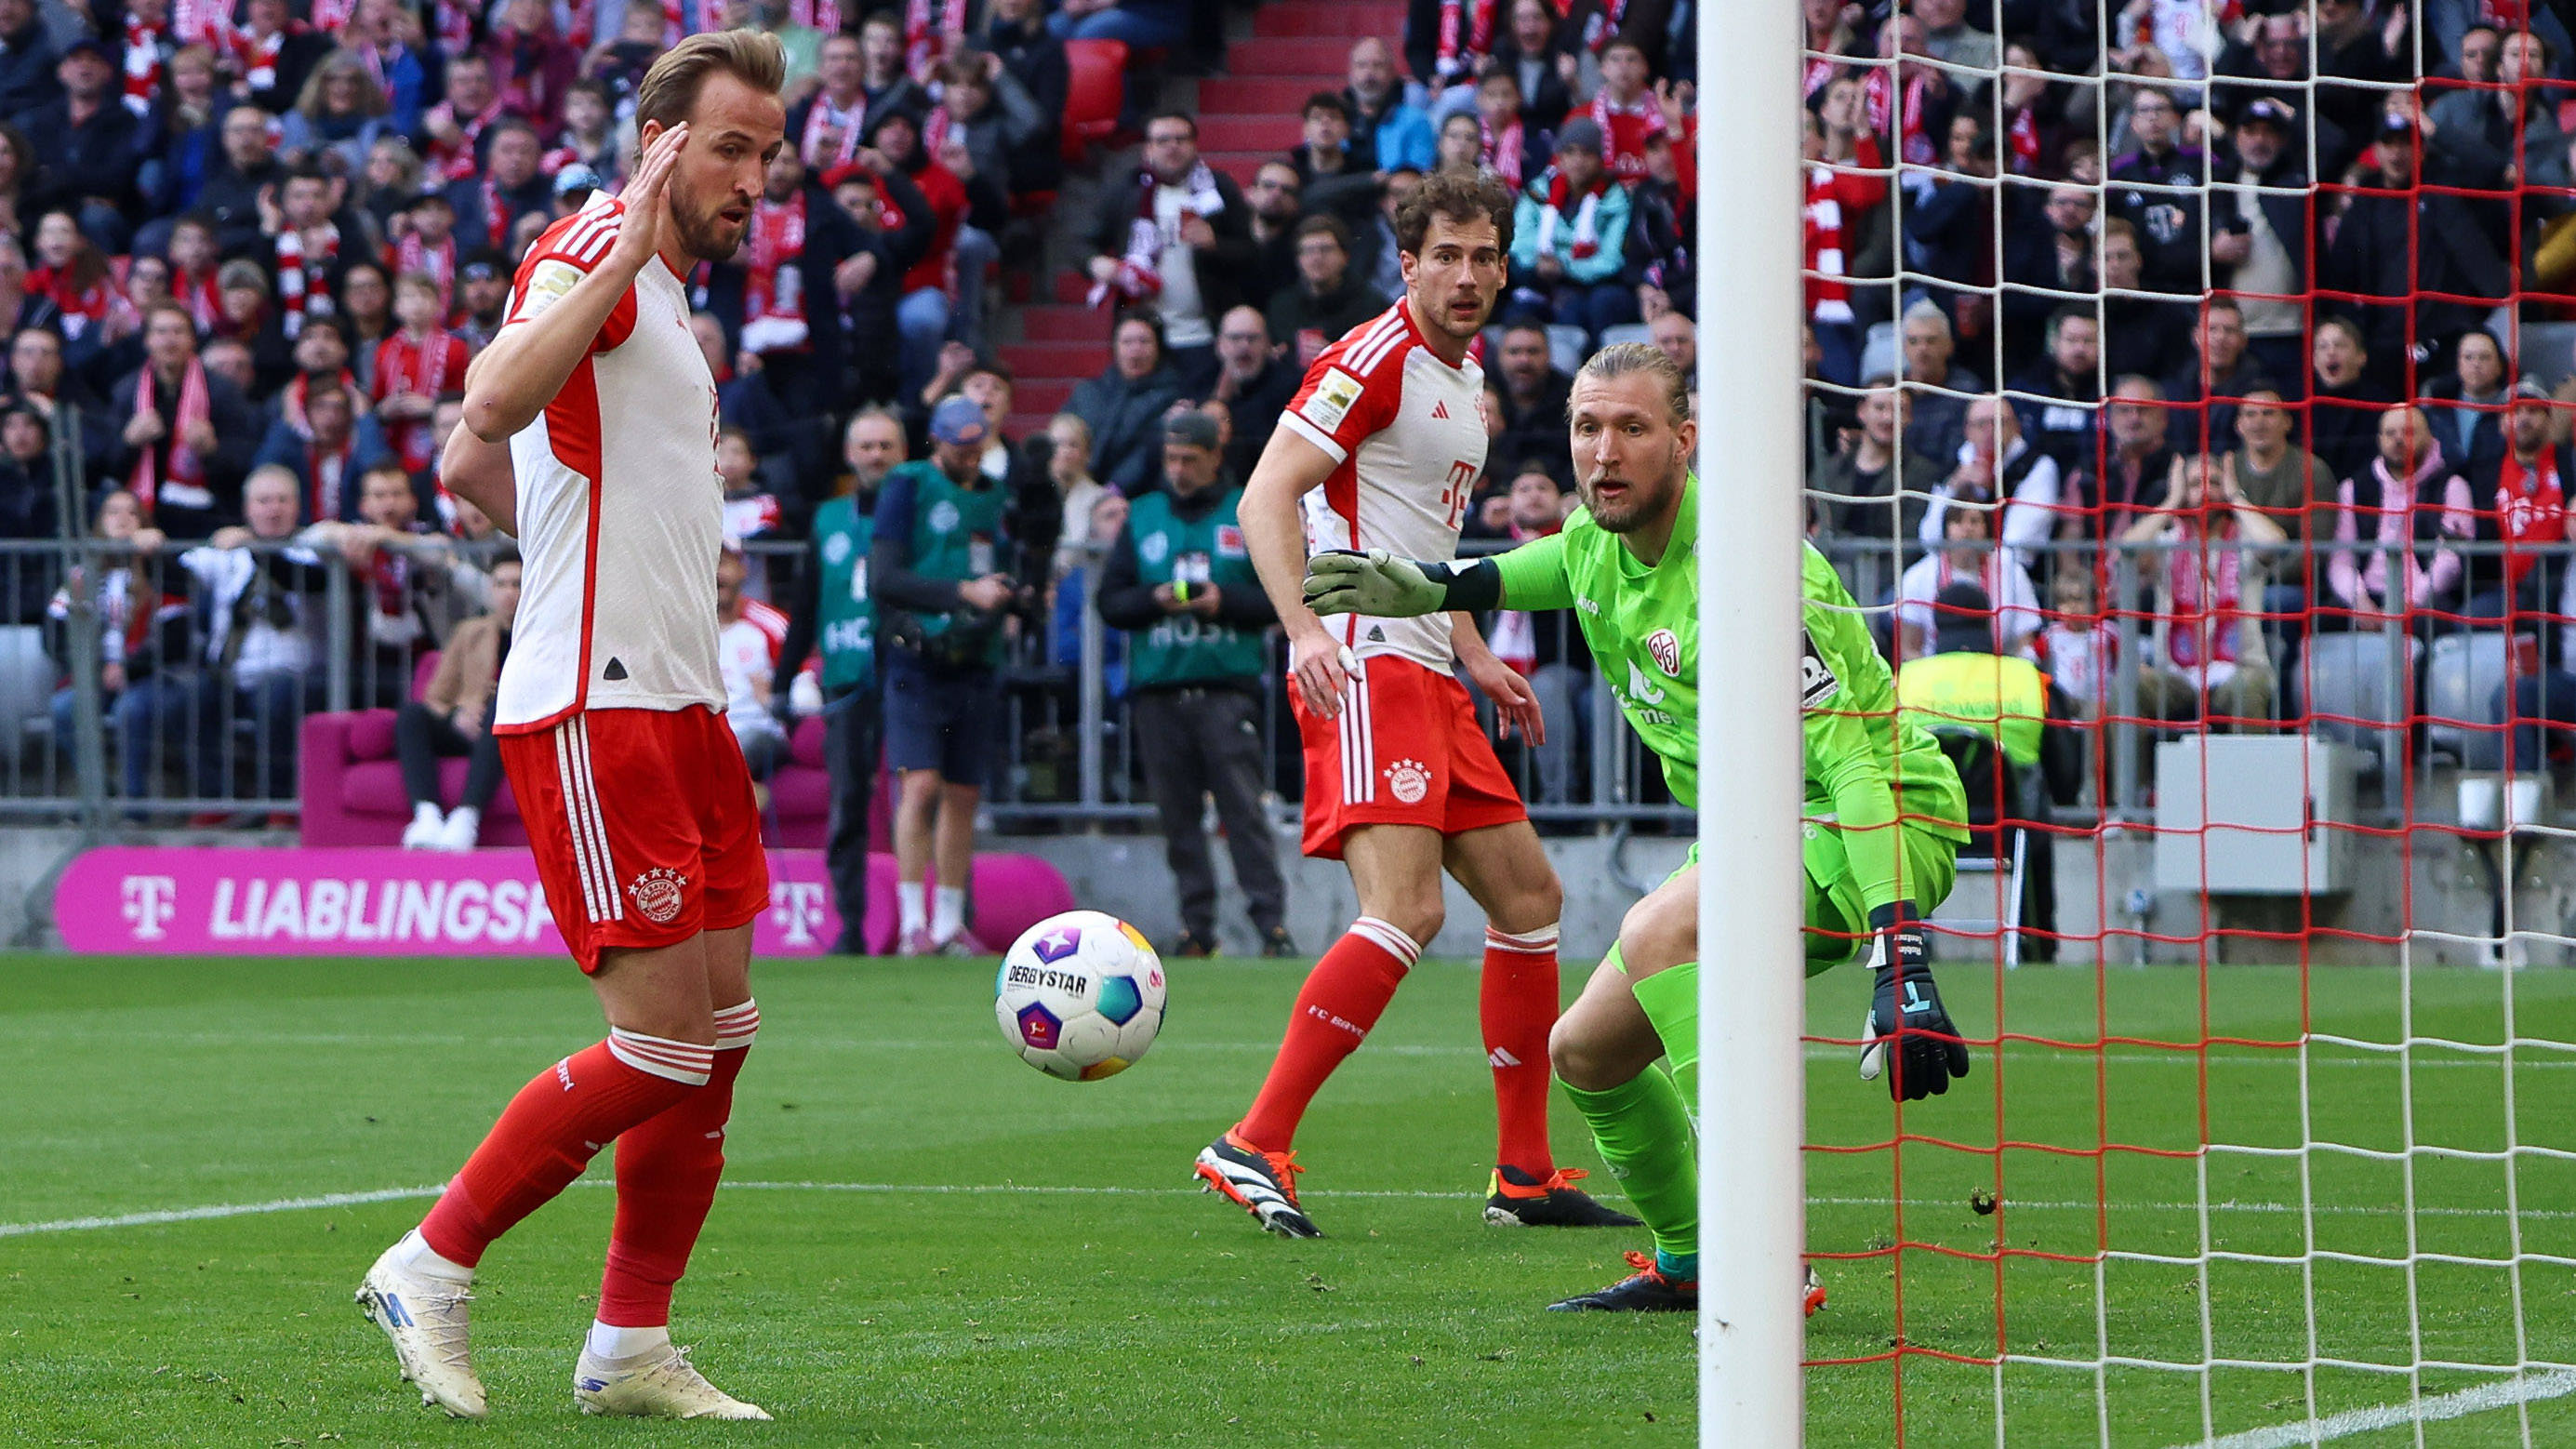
{"points": [[1350, 21], [1024, 425], [1058, 322], [1041, 360], [1271, 133], [1072, 287], [1241, 164], [1042, 395], [1325, 55], [1258, 95]]}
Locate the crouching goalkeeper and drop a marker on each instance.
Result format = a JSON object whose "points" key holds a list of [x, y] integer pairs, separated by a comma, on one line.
{"points": [[1626, 563]]}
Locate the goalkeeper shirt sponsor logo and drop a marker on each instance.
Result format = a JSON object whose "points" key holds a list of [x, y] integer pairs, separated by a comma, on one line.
{"points": [[1816, 681]]}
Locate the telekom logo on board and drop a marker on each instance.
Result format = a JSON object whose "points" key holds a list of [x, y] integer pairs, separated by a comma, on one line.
{"points": [[149, 902]]}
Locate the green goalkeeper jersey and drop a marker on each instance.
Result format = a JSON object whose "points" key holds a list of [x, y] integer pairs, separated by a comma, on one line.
{"points": [[1642, 623]]}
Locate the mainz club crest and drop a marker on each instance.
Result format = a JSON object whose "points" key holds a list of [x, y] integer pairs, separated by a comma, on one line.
{"points": [[1667, 651]]}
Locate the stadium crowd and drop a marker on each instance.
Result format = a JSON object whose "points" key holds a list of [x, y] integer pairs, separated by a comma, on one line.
{"points": [[247, 253]]}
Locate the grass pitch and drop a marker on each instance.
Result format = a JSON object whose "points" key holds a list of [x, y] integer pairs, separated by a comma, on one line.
{"points": [[924, 1241]]}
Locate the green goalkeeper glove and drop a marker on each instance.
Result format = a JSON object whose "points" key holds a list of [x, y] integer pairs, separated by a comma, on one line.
{"points": [[1381, 586]]}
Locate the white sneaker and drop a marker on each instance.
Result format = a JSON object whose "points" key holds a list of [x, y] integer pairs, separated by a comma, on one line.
{"points": [[424, 830], [660, 1384], [425, 1318], [461, 831]]}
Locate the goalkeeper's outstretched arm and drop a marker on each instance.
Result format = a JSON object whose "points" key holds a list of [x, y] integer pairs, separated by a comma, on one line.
{"points": [[1530, 577]]}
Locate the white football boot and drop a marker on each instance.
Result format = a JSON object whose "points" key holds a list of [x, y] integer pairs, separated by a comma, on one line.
{"points": [[425, 1318], [658, 1384]]}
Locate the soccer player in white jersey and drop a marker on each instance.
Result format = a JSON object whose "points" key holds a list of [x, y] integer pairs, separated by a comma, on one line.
{"points": [[590, 428], [1382, 448]]}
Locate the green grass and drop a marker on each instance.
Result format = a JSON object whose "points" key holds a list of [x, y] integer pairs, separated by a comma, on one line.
{"points": [[901, 1304]]}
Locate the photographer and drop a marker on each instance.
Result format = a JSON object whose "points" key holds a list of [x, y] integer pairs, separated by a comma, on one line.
{"points": [[937, 562]]}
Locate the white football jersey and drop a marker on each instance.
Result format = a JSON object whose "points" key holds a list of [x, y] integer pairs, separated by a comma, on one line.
{"points": [[621, 511], [1409, 433]]}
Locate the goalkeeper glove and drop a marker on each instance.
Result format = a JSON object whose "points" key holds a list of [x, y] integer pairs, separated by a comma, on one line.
{"points": [[1905, 1011], [1381, 586]]}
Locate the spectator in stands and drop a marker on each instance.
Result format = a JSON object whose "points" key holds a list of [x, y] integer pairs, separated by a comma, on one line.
{"points": [[1934, 382], [929, 313], [1142, 24], [453, 717], [1843, 196], [1967, 554], [27, 59], [2495, 140], [39, 383], [1125, 405], [509, 187], [999, 119], [1397, 132], [2380, 247], [412, 586], [2060, 395], [230, 197], [1948, 36], [1069, 470], [188, 437], [1016, 31], [27, 512], [2168, 221], [1540, 58], [1534, 399], [328, 451], [230, 358], [1445, 41], [1873, 488], [1507, 142], [870, 280], [829, 127], [2136, 461], [2259, 238], [745, 657], [1382, 265], [483, 292], [1330, 297], [338, 116], [1568, 237], [2466, 406], [261, 599], [126, 602], [2290, 485], [276, 52], [2220, 371], [2206, 638], [933, 568], [1177, 234], [1277, 206], [1180, 580], [2144, 335], [589, 134], [2271, 58], [1254, 382], [1677, 337], [86, 145], [2348, 403], [366, 311], [73, 273], [413, 368], [1337, 168], [2409, 501], [2081, 644], [1996, 462], [751, 510], [773, 296], [2526, 480], [1625, 108]]}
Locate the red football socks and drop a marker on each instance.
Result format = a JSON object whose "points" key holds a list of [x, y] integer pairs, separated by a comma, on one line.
{"points": [[1516, 1005], [1343, 997], [667, 1167], [551, 1130]]}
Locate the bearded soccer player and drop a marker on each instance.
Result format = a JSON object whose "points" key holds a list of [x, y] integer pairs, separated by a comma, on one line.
{"points": [[1884, 805], [590, 429], [1383, 447]]}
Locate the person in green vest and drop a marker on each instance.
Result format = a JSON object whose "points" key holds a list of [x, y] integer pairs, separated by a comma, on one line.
{"points": [[1883, 807], [834, 611], [1964, 685], [1179, 579], [936, 569]]}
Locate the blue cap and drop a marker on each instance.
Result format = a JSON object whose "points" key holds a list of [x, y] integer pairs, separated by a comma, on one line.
{"points": [[959, 422], [576, 176]]}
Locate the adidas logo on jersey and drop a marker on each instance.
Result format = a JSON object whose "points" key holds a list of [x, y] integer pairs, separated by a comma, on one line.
{"points": [[616, 669], [1376, 635], [1440, 409]]}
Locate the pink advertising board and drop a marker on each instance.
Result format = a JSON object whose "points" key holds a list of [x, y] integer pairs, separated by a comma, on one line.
{"points": [[155, 900]]}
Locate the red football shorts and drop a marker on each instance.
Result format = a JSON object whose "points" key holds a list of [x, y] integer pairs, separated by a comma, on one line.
{"points": [[643, 825], [1407, 749]]}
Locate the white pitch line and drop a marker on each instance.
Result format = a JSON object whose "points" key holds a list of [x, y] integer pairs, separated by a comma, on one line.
{"points": [[2503, 1395], [1023, 1189]]}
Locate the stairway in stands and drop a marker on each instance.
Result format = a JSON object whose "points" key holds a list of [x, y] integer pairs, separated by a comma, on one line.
{"points": [[1247, 115]]}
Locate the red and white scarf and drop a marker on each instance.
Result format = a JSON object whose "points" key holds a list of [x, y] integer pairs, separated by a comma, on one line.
{"points": [[2208, 584], [199, 295], [1914, 145], [1587, 225], [1828, 298], [328, 473], [1466, 35], [1603, 26], [332, 16], [184, 486], [425, 368], [258, 55], [146, 47], [773, 292], [202, 22], [299, 277], [823, 118], [925, 36], [459, 162], [1502, 152], [1140, 278], [496, 216], [290, 400], [454, 24], [81, 307], [1624, 130], [411, 254]]}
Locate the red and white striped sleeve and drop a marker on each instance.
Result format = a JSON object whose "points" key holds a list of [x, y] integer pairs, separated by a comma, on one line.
{"points": [[1354, 389], [565, 253]]}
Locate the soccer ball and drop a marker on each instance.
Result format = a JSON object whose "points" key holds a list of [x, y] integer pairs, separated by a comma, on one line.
{"points": [[1080, 996]]}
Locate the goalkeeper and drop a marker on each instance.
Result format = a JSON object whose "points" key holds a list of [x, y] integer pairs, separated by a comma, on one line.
{"points": [[1884, 806]]}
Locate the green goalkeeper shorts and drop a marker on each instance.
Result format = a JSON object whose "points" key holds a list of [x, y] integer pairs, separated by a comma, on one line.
{"points": [[1836, 919]]}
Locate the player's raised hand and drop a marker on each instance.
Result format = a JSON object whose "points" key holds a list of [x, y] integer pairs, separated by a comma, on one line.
{"points": [[1344, 581], [647, 198], [1905, 1011]]}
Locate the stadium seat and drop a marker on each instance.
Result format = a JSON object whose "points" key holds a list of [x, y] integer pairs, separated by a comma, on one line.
{"points": [[2546, 350], [1095, 89], [1565, 348], [1627, 332], [2463, 678], [27, 677], [2360, 686], [1879, 352]]}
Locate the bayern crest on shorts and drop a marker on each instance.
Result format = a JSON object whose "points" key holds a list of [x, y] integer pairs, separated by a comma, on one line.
{"points": [[1408, 780], [656, 893]]}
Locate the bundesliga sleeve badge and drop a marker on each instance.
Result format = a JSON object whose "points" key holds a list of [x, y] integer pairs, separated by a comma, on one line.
{"points": [[1332, 399]]}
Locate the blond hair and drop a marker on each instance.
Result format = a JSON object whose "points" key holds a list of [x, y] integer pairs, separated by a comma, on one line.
{"points": [[669, 91], [1635, 357]]}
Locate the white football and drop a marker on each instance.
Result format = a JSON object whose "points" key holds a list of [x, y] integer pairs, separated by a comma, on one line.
{"points": [[1080, 996]]}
